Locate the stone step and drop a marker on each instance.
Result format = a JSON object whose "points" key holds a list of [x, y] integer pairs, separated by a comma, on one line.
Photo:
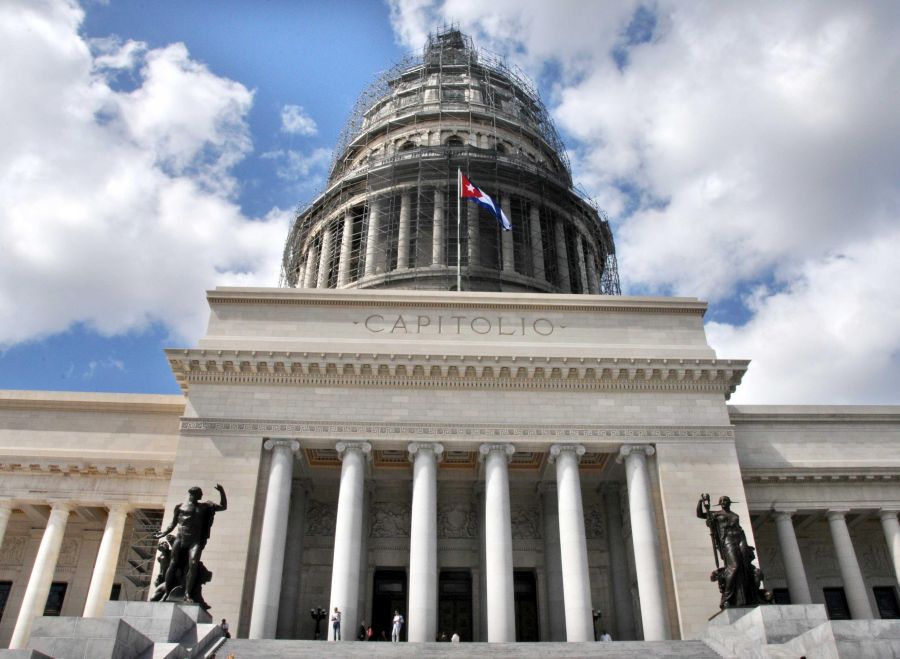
{"points": [[267, 649]]}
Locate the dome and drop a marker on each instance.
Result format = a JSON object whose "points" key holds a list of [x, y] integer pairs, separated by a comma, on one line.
{"points": [[388, 216]]}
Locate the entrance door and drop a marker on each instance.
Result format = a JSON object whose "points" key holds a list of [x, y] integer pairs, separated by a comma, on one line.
{"points": [[455, 604], [525, 589], [388, 595]]}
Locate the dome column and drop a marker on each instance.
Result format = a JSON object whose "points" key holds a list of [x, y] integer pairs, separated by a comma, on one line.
{"points": [[437, 232], [562, 257], [537, 245], [509, 258], [403, 235], [346, 250], [373, 238], [324, 260]]}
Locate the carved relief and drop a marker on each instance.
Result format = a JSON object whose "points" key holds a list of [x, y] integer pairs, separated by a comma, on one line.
{"points": [[320, 518], [13, 550], [390, 520], [594, 522], [68, 553], [824, 560], [526, 523], [873, 558], [457, 520]]}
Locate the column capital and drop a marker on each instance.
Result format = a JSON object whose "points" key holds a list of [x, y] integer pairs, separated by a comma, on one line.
{"points": [[272, 444], [637, 449], [118, 507], [434, 447], [836, 513], [784, 513], [61, 506], [487, 448], [557, 449], [7, 504], [363, 447], [887, 513]]}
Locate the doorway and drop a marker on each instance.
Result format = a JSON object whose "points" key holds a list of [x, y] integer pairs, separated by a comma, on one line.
{"points": [[388, 595], [525, 588], [455, 604]]}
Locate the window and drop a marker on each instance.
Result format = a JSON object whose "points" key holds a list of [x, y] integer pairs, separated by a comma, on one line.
{"points": [[115, 593], [5, 587], [454, 95], [836, 603], [781, 595], [55, 598], [454, 142], [886, 600]]}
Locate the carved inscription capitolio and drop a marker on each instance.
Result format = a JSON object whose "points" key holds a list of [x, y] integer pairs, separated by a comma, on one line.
{"points": [[432, 324]]}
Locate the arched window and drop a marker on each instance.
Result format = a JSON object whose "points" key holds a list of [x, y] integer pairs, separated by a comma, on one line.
{"points": [[501, 148], [407, 146], [454, 142]]}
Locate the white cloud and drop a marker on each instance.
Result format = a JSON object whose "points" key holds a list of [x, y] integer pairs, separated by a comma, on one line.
{"points": [[118, 206], [295, 121], [308, 169], [737, 146]]}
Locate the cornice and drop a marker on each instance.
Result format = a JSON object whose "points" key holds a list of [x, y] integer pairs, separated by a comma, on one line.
{"points": [[167, 405], [820, 475], [410, 299], [11, 464], [807, 414], [348, 430], [222, 367]]}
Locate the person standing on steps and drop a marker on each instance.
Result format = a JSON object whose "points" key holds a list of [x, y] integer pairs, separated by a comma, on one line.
{"points": [[397, 626], [336, 624]]}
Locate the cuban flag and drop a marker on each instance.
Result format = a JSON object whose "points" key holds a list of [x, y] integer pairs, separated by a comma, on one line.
{"points": [[469, 191]]}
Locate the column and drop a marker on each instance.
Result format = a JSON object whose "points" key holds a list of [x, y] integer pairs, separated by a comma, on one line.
{"points": [[506, 237], [472, 228], [798, 586], [270, 565], [348, 537], [618, 563], [572, 543], [41, 575], [562, 257], [854, 586], [403, 234], [593, 281], [437, 231], [6, 509], [891, 536], [301, 275], [423, 575], [346, 251], [312, 260], [651, 588], [373, 242], [324, 260], [553, 563], [498, 542], [537, 244], [582, 266], [107, 557]]}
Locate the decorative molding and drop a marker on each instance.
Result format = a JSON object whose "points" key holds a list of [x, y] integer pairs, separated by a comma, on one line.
{"points": [[819, 475], [499, 447], [442, 371], [67, 467], [291, 444], [644, 450], [337, 430], [435, 448], [594, 522]]}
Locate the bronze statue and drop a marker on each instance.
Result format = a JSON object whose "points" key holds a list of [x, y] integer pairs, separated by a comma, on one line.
{"points": [[185, 574], [739, 580]]}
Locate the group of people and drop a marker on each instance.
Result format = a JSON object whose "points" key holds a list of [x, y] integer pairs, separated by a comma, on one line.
{"points": [[368, 633]]}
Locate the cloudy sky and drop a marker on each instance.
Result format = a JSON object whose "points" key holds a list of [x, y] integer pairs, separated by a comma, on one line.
{"points": [[747, 154]]}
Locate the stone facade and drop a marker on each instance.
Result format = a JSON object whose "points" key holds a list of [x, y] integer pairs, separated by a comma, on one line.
{"points": [[425, 425]]}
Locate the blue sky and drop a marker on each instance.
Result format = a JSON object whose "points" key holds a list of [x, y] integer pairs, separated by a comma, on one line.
{"points": [[748, 155]]}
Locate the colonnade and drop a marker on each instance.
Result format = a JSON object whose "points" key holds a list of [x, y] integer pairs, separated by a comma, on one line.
{"points": [[567, 576], [848, 564], [320, 257]]}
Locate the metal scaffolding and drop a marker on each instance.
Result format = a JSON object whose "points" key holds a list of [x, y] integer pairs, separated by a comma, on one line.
{"points": [[388, 217]]}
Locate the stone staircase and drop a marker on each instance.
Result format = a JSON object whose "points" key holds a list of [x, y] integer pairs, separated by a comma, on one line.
{"points": [[127, 630], [800, 630], [246, 649]]}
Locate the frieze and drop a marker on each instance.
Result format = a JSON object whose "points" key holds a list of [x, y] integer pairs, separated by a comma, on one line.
{"points": [[390, 520], [320, 518], [457, 520], [319, 429], [13, 550], [594, 522], [525, 522], [68, 553]]}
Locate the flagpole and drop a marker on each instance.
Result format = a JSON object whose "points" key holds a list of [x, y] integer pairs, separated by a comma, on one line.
{"points": [[458, 235]]}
